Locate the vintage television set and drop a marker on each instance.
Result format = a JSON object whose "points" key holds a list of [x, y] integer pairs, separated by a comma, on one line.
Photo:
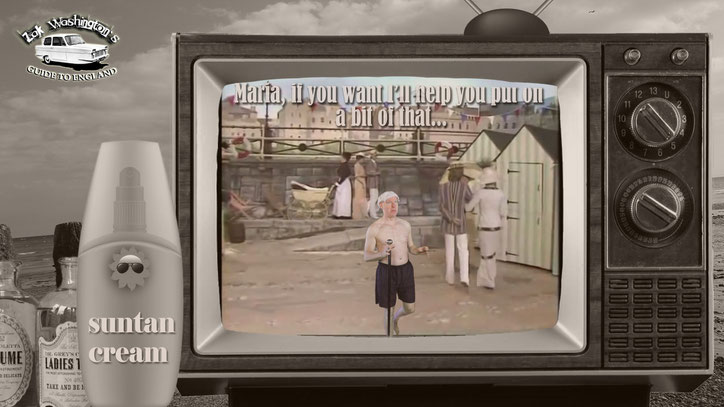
{"points": [[633, 302]]}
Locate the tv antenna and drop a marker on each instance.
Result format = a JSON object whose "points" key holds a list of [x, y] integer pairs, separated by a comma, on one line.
{"points": [[542, 7], [537, 11], [507, 22]]}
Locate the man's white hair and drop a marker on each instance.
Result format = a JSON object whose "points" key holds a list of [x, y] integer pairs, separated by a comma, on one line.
{"points": [[385, 196]]}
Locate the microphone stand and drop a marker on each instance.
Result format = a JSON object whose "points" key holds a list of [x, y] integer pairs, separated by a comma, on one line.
{"points": [[389, 289]]}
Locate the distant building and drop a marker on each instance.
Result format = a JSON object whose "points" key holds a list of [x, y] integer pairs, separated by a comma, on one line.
{"points": [[302, 121], [463, 124], [544, 116], [239, 121]]}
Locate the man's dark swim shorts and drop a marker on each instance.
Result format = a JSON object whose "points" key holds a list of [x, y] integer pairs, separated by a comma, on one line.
{"points": [[403, 284]]}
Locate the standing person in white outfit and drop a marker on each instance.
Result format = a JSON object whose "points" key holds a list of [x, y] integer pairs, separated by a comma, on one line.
{"points": [[492, 209], [452, 197], [373, 183], [342, 207], [359, 193]]}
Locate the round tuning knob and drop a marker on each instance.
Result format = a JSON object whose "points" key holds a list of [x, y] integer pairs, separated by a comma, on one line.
{"points": [[656, 121], [653, 121], [656, 208], [653, 207]]}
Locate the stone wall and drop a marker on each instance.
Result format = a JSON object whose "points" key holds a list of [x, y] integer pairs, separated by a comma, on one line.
{"points": [[415, 182], [337, 235]]}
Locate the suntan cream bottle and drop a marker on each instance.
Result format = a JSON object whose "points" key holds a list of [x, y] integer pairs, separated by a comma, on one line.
{"points": [[130, 285]]}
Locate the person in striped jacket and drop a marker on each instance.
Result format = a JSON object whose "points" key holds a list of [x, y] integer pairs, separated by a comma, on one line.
{"points": [[453, 195]]}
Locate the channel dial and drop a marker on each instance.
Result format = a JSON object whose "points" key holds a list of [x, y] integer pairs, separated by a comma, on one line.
{"points": [[653, 121]]}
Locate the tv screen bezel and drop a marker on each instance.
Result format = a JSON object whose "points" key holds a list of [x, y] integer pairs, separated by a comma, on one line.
{"points": [[568, 74]]}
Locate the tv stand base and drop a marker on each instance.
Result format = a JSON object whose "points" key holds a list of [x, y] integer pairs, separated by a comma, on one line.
{"points": [[450, 395]]}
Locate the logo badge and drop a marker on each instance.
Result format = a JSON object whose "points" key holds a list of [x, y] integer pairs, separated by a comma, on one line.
{"points": [[130, 268], [61, 45]]}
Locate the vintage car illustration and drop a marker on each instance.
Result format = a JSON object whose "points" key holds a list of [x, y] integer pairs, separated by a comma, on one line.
{"points": [[71, 49]]}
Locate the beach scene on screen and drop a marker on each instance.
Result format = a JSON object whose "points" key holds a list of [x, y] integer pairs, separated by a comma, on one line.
{"points": [[389, 206]]}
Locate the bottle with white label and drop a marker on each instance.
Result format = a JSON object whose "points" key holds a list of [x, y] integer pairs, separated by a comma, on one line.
{"points": [[17, 331], [130, 288], [60, 382]]}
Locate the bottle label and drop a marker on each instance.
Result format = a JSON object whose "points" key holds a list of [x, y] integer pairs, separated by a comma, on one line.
{"points": [[16, 361], [59, 375]]}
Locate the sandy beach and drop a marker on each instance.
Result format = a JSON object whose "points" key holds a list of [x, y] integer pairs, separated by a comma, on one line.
{"points": [[333, 293]]}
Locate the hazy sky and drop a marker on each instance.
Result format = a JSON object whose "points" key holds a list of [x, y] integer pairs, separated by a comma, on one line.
{"points": [[50, 131]]}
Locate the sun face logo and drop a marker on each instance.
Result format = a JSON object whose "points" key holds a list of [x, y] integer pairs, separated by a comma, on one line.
{"points": [[130, 268]]}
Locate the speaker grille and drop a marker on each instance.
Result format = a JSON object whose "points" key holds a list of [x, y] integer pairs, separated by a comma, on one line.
{"points": [[655, 320]]}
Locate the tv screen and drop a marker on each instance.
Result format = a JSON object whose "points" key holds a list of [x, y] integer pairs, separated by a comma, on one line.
{"points": [[279, 270], [474, 166]]}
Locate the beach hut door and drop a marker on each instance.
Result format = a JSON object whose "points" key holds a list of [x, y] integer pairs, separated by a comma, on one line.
{"points": [[525, 203]]}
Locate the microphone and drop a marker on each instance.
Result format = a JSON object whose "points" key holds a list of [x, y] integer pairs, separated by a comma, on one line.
{"points": [[389, 252], [389, 287]]}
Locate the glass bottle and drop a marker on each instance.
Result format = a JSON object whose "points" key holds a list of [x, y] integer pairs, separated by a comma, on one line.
{"points": [[60, 382], [17, 339]]}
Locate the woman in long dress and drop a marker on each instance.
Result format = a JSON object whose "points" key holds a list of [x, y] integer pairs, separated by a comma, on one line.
{"points": [[359, 199], [342, 207]]}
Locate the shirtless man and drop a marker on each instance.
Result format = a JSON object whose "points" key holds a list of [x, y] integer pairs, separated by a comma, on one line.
{"points": [[390, 227]]}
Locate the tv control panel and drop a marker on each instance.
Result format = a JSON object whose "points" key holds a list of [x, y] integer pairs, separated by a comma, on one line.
{"points": [[655, 163], [656, 229]]}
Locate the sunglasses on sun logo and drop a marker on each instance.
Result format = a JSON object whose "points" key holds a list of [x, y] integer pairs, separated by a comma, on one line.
{"points": [[123, 267]]}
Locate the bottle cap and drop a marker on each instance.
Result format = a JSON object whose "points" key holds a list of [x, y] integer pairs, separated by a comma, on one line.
{"points": [[7, 248], [65, 244], [129, 194]]}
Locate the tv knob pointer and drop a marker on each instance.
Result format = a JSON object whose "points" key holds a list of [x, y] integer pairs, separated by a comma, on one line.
{"points": [[656, 208]]}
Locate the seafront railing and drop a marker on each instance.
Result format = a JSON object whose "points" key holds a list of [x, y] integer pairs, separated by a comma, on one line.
{"points": [[313, 142]]}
